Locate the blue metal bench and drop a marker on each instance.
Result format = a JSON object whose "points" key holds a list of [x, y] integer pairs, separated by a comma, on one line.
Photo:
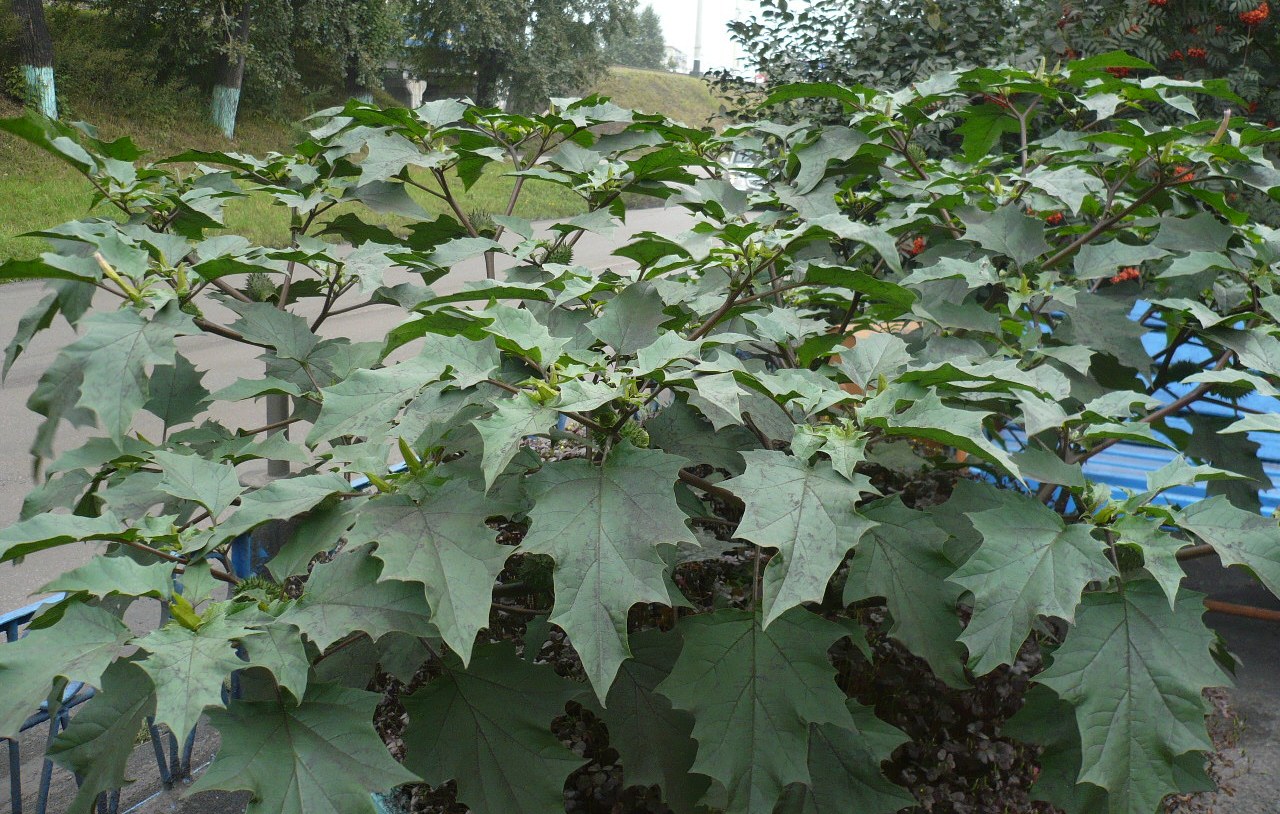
{"points": [[76, 693], [173, 766]]}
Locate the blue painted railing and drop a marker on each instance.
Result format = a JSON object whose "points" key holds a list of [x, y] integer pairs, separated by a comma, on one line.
{"points": [[172, 767], [76, 693]]}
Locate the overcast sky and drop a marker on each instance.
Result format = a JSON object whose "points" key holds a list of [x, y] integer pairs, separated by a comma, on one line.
{"points": [[678, 17]]}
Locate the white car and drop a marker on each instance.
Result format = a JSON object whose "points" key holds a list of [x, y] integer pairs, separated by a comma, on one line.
{"points": [[740, 164]]}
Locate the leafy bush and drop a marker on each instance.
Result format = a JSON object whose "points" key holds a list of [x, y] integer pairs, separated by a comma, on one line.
{"points": [[881, 43], [671, 494]]}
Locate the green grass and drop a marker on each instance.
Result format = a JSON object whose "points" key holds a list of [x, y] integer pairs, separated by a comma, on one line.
{"points": [[43, 192], [40, 192], [37, 202]]}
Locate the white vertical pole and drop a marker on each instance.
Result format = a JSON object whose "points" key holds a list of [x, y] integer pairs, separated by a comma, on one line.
{"points": [[697, 42], [739, 58]]}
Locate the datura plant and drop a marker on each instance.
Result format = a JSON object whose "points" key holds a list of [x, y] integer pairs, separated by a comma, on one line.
{"points": [[867, 388]]}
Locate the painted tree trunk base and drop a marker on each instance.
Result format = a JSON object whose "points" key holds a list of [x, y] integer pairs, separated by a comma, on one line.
{"points": [[41, 89], [223, 108], [363, 96]]}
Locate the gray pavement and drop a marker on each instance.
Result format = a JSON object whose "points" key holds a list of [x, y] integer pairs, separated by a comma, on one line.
{"points": [[225, 362], [1254, 782]]}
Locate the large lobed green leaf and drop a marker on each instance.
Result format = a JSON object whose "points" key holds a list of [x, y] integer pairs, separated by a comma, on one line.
{"points": [[805, 512], [1029, 563], [441, 541], [189, 667], [1239, 537], [903, 559], [487, 727], [753, 693], [602, 524], [318, 756], [114, 357], [1134, 671], [346, 595]]}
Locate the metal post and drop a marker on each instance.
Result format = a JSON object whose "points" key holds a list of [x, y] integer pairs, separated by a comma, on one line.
{"points": [[277, 411], [15, 775]]}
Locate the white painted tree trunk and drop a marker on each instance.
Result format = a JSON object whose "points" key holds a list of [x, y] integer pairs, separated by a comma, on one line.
{"points": [[35, 48], [41, 89]]}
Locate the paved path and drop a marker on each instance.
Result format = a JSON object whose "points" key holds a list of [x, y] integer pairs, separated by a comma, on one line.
{"points": [[1256, 695], [225, 362]]}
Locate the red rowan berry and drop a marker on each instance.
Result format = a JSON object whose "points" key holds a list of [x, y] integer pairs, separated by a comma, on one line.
{"points": [[1119, 73], [1256, 16], [917, 246], [1126, 274], [1196, 53], [1055, 218]]}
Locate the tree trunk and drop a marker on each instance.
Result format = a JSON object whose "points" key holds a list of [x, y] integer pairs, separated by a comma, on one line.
{"points": [[230, 76], [355, 88], [35, 48], [487, 76]]}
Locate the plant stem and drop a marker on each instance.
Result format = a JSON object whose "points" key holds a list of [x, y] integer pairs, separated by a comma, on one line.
{"points": [[1156, 415], [1103, 225], [731, 300], [710, 488], [167, 557], [227, 333], [275, 425]]}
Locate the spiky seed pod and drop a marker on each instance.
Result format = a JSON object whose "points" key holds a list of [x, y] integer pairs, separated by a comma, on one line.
{"points": [[260, 288]]}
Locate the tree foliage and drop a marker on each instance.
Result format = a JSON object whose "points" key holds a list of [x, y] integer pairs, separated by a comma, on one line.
{"points": [[525, 51], [675, 459], [881, 43], [1236, 40], [891, 43], [262, 39], [639, 42]]}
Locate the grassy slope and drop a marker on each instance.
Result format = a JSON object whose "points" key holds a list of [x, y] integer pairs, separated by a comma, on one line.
{"points": [[675, 95], [39, 191]]}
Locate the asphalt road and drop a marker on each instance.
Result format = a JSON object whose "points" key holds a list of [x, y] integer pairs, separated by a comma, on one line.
{"points": [[224, 362]]}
